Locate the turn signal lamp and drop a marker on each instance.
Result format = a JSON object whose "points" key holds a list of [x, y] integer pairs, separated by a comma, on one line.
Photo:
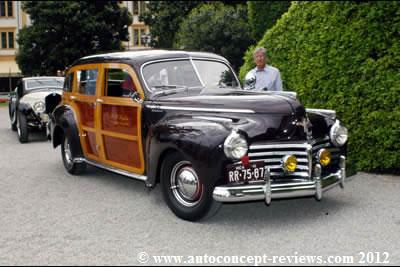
{"points": [[289, 163], [324, 157]]}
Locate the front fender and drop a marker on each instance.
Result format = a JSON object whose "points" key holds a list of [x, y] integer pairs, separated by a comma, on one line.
{"points": [[192, 138], [24, 108]]}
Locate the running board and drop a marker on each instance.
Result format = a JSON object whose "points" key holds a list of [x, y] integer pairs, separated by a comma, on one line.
{"points": [[112, 169]]}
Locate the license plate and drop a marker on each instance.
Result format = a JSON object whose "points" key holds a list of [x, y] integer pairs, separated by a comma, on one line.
{"points": [[239, 173]]}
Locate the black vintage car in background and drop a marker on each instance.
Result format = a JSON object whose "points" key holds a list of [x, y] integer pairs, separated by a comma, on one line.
{"points": [[181, 119], [27, 104]]}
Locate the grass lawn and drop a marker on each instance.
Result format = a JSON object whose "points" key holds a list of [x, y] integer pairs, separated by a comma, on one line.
{"points": [[3, 104]]}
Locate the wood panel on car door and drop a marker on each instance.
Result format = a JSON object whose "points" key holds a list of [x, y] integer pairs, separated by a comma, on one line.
{"points": [[83, 101], [119, 119]]}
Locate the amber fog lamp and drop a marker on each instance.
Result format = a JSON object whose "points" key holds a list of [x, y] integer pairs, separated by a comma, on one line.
{"points": [[324, 157], [289, 163]]}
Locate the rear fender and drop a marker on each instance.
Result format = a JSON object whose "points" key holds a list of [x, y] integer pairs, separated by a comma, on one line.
{"points": [[63, 123]]}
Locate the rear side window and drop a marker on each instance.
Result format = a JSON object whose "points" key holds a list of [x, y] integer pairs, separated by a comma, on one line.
{"points": [[87, 80], [68, 82], [118, 83]]}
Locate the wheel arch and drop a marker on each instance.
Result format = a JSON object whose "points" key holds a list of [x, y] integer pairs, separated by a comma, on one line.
{"points": [[161, 158]]}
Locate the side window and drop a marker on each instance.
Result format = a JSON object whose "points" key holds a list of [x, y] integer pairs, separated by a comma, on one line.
{"points": [[68, 82], [118, 83], [87, 80]]}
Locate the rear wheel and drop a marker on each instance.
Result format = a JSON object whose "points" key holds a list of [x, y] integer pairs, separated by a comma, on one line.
{"points": [[184, 192], [68, 157], [22, 127]]}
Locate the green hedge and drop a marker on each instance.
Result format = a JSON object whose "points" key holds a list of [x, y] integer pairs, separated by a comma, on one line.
{"points": [[217, 28], [264, 14], [345, 56]]}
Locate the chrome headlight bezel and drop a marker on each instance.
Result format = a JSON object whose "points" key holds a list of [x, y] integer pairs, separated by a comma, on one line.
{"points": [[39, 107], [235, 146], [338, 134]]}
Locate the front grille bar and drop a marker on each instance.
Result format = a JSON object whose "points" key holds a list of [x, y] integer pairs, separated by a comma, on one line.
{"points": [[272, 153]]}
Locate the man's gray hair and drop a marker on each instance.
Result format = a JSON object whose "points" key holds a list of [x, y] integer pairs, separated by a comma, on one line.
{"points": [[259, 49]]}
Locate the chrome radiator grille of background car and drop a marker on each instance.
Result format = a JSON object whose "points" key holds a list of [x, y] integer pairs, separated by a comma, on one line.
{"points": [[306, 153]]}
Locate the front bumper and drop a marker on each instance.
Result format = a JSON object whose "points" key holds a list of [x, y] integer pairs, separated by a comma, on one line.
{"points": [[267, 191]]}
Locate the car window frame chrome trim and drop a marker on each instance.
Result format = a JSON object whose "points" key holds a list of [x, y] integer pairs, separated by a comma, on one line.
{"points": [[197, 72]]}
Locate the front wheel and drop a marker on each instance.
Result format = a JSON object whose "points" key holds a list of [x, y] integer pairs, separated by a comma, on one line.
{"points": [[68, 158], [183, 190], [22, 127]]}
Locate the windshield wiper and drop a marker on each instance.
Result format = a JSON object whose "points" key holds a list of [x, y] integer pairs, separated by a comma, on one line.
{"points": [[172, 89], [167, 86]]}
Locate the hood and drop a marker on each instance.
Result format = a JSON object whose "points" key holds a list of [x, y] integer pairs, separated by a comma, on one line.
{"points": [[231, 100], [33, 97], [261, 116]]}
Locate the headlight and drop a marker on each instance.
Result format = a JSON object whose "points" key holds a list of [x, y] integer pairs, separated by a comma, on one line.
{"points": [[39, 107], [338, 134], [235, 146]]}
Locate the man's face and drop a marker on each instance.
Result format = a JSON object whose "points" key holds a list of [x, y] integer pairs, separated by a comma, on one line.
{"points": [[259, 59]]}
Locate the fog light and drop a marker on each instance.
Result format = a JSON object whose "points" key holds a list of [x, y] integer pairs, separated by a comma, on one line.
{"points": [[324, 157], [289, 163]]}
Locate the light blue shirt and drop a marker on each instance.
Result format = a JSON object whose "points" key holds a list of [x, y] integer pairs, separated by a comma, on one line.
{"points": [[268, 79]]}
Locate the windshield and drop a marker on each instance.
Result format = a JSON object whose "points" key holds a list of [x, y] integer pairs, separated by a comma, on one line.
{"points": [[215, 74], [174, 74], [44, 83]]}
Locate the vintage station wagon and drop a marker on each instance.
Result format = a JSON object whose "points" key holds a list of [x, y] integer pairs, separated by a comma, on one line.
{"points": [[182, 119]]}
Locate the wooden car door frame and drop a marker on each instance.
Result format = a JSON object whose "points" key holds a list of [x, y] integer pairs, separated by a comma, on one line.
{"points": [[118, 124], [85, 108]]}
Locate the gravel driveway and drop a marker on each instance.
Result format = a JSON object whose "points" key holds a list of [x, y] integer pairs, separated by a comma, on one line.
{"points": [[49, 217]]}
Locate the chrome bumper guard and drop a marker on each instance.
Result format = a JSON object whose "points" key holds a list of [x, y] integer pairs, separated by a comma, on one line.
{"points": [[268, 191]]}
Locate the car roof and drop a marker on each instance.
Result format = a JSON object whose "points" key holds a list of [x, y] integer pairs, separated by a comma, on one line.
{"points": [[138, 57]]}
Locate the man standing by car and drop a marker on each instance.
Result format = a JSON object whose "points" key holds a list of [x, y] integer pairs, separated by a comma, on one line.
{"points": [[267, 78]]}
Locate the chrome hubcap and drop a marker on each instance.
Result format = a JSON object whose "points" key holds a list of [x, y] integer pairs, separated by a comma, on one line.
{"points": [[67, 152], [185, 184]]}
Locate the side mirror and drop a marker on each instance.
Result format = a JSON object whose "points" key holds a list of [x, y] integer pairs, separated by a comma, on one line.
{"points": [[250, 81], [136, 97]]}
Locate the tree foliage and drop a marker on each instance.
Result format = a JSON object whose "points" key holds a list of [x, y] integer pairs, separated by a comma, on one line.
{"points": [[217, 28], [163, 19], [345, 56], [63, 31], [264, 14]]}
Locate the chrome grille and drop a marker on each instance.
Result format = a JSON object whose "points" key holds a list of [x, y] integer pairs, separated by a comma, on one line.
{"points": [[272, 154]]}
